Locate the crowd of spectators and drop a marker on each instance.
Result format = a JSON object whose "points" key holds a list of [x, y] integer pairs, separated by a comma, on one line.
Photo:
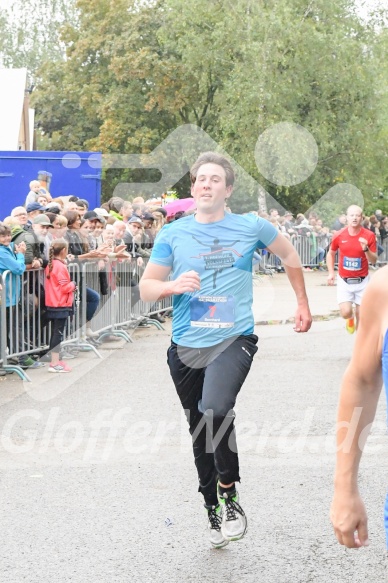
{"points": [[313, 236], [117, 237], [119, 233]]}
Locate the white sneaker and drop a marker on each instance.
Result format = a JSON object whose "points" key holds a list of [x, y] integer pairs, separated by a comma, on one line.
{"points": [[234, 523], [59, 368], [216, 538]]}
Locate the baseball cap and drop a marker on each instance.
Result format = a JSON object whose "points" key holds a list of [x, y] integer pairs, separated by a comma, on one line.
{"points": [[136, 220], [102, 212], [91, 215], [41, 220], [148, 217], [34, 206]]}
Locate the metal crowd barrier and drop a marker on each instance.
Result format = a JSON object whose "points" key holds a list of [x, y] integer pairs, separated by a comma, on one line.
{"points": [[25, 330], [308, 250], [382, 259]]}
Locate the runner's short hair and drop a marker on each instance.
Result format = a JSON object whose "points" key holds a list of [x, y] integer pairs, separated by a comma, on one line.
{"points": [[213, 158]]}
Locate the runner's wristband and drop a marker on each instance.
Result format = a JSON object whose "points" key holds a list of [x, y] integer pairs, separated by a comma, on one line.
{"points": [[366, 249]]}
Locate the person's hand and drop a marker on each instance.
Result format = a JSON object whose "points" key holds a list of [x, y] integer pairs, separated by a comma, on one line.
{"points": [[123, 255], [363, 243], [70, 257], [102, 250], [330, 279], [21, 248], [95, 253], [140, 262], [303, 319], [186, 282], [349, 519], [119, 249], [35, 263]]}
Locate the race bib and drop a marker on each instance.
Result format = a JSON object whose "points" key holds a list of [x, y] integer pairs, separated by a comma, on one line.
{"points": [[212, 311], [352, 263]]}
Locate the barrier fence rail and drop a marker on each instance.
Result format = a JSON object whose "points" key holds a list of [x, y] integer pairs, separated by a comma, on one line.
{"points": [[312, 251], [25, 329]]}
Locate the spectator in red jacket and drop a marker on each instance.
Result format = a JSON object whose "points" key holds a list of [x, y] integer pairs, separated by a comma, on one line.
{"points": [[59, 293]]}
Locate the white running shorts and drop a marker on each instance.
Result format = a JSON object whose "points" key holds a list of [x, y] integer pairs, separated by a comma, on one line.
{"points": [[350, 292]]}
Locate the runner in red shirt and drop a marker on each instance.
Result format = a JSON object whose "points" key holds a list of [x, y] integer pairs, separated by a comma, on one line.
{"points": [[357, 248]]}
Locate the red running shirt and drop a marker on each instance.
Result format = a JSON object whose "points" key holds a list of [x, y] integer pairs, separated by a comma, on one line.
{"points": [[352, 259]]}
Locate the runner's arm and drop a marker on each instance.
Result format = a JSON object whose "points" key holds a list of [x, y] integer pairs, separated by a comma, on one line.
{"points": [[155, 285], [360, 390], [284, 249], [330, 261]]}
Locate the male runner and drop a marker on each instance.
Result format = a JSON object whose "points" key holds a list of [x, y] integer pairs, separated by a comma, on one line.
{"points": [[360, 391], [210, 256], [357, 247]]}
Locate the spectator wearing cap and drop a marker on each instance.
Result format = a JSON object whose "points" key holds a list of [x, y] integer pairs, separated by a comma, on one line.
{"points": [[149, 232], [41, 225], [91, 218], [33, 210], [53, 207], [133, 238], [34, 190], [99, 226], [35, 258], [102, 212], [34, 240]]}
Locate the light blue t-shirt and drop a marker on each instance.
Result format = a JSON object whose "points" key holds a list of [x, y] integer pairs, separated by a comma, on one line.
{"points": [[221, 253]]}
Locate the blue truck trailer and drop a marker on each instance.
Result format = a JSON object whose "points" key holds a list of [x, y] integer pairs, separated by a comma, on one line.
{"points": [[71, 173]]}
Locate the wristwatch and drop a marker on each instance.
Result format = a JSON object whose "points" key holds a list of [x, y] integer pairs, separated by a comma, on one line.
{"points": [[366, 249]]}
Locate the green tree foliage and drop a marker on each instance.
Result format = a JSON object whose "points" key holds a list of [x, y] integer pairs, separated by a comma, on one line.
{"points": [[134, 71], [30, 32]]}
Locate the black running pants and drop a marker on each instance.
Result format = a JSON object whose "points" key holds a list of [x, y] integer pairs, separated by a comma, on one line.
{"points": [[208, 381]]}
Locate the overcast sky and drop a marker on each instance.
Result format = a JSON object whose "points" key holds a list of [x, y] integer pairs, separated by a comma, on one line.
{"points": [[365, 6]]}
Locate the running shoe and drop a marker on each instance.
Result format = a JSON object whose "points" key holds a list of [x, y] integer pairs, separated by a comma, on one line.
{"points": [[234, 523], [214, 514], [59, 368], [30, 363], [350, 326]]}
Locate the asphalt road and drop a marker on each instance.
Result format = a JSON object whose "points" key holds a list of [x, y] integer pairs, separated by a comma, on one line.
{"points": [[98, 483]]}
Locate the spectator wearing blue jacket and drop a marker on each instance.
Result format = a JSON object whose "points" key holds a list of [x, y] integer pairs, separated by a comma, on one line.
{"points": [[11, 259]]}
